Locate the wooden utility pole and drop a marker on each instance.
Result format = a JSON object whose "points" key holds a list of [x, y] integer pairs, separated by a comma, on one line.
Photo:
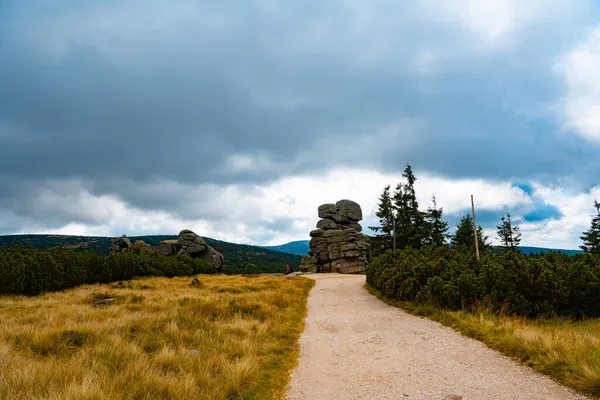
{"points": [[475, 228], [394, 230]]}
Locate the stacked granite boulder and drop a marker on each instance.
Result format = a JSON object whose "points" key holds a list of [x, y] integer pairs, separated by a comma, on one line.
{"points": [[190, 244], [337, 245]]}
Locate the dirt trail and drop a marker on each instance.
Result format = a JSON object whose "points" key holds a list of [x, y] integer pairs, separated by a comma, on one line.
{"points": [[357, 347]]}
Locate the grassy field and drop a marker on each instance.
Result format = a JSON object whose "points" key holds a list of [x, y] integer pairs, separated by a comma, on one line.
{"points": [[568, 351], [224, 337]]}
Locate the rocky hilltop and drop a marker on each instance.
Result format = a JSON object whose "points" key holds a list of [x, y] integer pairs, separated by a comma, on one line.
{"points": [[337, 245]]}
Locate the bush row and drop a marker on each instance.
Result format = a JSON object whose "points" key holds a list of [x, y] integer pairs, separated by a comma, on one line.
{"points": [[32, 271], [550, 284]]}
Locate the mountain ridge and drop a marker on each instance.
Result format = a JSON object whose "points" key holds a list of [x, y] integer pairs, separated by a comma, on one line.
{"points": [[301, 247], [239, 258]]}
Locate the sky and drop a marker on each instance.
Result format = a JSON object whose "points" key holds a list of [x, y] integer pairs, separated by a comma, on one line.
{"points": [[238, 119]]}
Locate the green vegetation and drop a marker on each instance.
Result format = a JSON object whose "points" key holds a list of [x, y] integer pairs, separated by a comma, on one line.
{"points": [[591, 237], [464, 236], [508, 234], [436, 228], [246, 259], [402, 224], [239, 258], [31, 271], [533, 285], [216, 338]]}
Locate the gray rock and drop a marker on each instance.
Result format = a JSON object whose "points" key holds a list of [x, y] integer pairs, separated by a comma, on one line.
{"points": [[120, 244], [349, 246], [352, 253], [338, 244], [356, 226], [326, 224], [349, 209], [316, 233], [327, 210], [196, 248]]}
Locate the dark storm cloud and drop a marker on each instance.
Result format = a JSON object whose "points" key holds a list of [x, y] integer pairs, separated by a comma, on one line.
{"points": [[120, 95]]}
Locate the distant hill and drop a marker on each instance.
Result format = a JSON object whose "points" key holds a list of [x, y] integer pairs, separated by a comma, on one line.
{"points": [[299, 247], [239, 258], [530, 250]]}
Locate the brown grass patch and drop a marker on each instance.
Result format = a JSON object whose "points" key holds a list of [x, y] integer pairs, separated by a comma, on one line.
{"points": [[227, 337]]}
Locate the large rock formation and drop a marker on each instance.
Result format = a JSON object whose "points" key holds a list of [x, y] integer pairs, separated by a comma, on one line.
{"points": [[190, 244], [187, 244], [337, 244]]}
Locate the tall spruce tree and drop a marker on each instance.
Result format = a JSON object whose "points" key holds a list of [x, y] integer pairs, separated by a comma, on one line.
{"points": [[437, 229], [382, 241], [509, 235], [402, 217], [591, 237], [410, 222], [465, 237]]}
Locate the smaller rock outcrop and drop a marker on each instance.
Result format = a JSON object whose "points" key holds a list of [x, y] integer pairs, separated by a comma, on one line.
{"points": [[123, 243], [192, 245], [188, 243], [120, 244]]}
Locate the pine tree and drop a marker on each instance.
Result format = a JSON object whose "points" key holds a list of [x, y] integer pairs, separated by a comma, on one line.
{"points": [[591, 237], [437, 229], [465, 237], [385, 211], [508, 234]]}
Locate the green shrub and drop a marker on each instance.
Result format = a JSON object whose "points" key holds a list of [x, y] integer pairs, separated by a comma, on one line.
{"points": [[32, 271], [552, 284]]}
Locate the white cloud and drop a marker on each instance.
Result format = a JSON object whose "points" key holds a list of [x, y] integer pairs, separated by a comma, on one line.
{"points": [[581, 72], [576, 208], [496, 19], [275, 213]]}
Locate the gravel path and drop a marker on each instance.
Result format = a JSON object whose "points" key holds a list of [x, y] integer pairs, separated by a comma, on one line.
{"points": [[357, 347]]}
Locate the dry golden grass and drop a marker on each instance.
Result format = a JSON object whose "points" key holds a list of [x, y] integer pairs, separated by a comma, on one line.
{"points": [[66, 346], [566, 350]]}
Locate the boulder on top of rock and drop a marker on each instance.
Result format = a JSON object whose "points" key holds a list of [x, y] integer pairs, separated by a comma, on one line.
{"points": [[327, 210], [349, 209]]}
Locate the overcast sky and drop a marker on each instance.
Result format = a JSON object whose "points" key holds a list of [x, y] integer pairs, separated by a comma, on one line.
{"points": [[237, 119]]}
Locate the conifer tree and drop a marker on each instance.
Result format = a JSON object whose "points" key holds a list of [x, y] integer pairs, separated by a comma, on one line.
{"points": [[402, 217], [591, 237], [385, 211], [437, 229], [410, 222], [508, 234], [465, 237]]}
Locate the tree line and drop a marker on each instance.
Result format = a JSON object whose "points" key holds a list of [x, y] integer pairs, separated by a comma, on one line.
{"points": [[403, 225], [33, 271]]}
